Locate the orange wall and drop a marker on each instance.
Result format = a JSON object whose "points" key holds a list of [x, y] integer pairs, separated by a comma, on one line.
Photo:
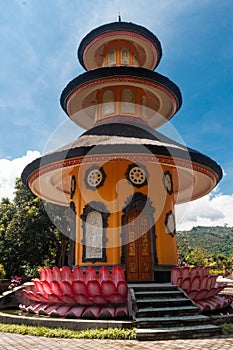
{"points": [[114, 194]]}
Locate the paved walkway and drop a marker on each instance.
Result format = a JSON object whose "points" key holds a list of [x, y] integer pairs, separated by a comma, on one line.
{"points": [[25, 342]]}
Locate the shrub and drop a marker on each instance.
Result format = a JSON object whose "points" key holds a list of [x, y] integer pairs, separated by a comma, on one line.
{"points": [[2, 272], [109, 333], [227, 328], [216, 272]]}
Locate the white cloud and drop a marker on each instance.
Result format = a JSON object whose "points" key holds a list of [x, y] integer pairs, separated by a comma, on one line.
{"points": [[210, 210], [10, 169]]}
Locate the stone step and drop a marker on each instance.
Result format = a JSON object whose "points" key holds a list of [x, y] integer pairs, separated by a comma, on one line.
{"points": [[167, 311], [172, 321], [158, 294], [177, 332], [146, 303], [140, 287]]}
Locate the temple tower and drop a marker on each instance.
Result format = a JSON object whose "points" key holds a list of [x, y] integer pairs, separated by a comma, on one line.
{"points": [[121, 177]]}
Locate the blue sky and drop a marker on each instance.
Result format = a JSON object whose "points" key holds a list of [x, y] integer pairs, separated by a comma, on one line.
{"points": [[39, 39]]}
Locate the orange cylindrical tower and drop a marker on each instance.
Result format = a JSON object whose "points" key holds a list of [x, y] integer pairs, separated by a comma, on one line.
{"points": [[122, 178]]}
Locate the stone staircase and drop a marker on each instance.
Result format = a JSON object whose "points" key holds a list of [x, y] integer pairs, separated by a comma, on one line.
{"points": [[163, 311]]}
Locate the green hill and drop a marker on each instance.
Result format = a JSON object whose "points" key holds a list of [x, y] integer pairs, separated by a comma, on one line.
{"points": [[214, 240]]}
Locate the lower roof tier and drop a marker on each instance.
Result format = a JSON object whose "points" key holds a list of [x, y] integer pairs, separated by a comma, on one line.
{"points": [[103, 92], [49, 176]]}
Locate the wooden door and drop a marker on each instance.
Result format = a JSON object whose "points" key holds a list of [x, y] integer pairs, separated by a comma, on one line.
{"points": [[138, 247]]}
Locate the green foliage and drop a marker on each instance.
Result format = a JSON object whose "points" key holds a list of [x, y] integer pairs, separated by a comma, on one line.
{"points": [[196, 256], [208, 246], [109, 333], [28, 237], [216, 272], [7, 211], [2, 272], [227, 328], [215, 240]]}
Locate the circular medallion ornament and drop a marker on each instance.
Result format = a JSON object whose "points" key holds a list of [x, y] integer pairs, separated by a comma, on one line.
{"points": [[167, 181], [136, 175], [94, 177], [170, 223]]}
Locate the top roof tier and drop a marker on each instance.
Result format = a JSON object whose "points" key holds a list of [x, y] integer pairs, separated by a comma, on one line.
{"points": [[108, 45]]}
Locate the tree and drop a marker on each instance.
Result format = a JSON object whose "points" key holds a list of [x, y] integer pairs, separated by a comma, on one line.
{"points": [[7, 211], [224, 263], [197, 256], [30, 238]]}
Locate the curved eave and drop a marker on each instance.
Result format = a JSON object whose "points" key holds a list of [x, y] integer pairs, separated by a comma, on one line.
{"points": [[44, 172], [123, 75], [119, 27]]}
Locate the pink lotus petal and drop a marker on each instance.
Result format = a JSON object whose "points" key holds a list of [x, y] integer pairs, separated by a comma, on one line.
{"points": [[192, 294], [78, 274], [38, 286], [195, 282], [66, 274], [122, 288], [62, 310], [212, 303], [67, 299], [186, 284], [108, 288], [35, 307], [76, 311], [79, 287], [220, 301], [31, 295], [91, 312], [179, 281], [199, 295], [211, 292], [202, 305], [55, 288], [211, 281], [220, 288], [54, 298], [66, 288], [90, 274], [32, 309], [194, 272], [93, 288], [48, 274], [107, 312], [56, 274], [116, 298], [121, 311], [206, 270], [104, 274], [48, 310], [185, 272], [175, 274], [45, 309], [200, 271], [203, 282], [46, 287], [82, 299], [43, 298], [99, 299], [42, 273], [118, 274]]}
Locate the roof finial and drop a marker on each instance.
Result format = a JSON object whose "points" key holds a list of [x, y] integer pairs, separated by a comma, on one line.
{"points": [[119, 17]]}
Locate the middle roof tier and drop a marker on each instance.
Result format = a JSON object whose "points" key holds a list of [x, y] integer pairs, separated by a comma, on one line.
{"points": [[104, 92]]}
